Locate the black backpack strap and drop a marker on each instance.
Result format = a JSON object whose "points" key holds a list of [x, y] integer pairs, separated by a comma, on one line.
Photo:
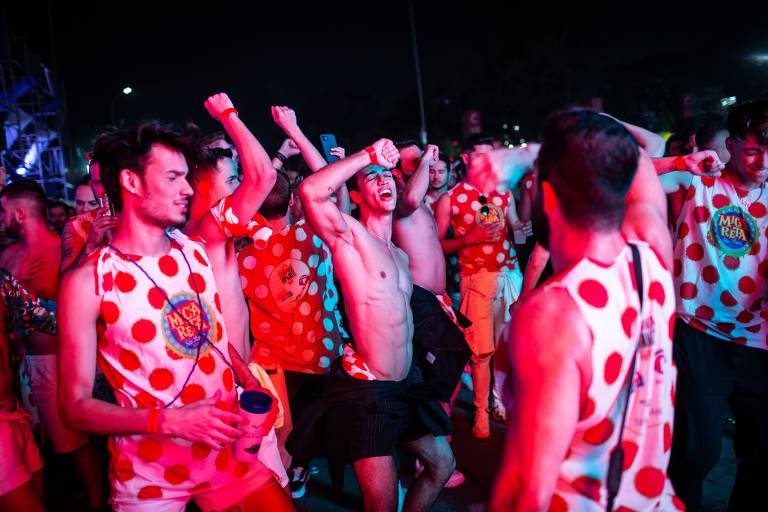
{"points": [[616, 460]]}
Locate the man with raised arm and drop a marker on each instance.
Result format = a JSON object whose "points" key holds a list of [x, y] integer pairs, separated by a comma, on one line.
{"points": [[439, 347], [368, 410], [147, 307], [590, 350], [721, 279], [222, 207], [288, 279]]}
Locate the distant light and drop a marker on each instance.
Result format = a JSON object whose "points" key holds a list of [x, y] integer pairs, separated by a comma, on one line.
{"points": [[522, 141], [127, 90], [523, 145], [516, 128], [759, 58], [505, 126], [728, 101], [511, 145], [21, 171]]}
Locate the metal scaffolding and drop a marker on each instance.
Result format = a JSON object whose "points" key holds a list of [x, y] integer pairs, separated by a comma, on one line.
{"points": [[31, 113]]}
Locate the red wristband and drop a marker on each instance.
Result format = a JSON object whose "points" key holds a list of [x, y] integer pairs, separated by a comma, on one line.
{"points": [[679, 163], [152, 426], [372, 155], [227, 111]]}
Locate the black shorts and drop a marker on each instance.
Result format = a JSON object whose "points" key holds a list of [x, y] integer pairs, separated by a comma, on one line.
{"points": [[378, 415], [439, 347]]}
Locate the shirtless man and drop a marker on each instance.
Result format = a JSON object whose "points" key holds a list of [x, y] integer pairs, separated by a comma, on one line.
{"points": [[23, 205], [147, 307], [222, 204], [376, 286], [440, 350]]}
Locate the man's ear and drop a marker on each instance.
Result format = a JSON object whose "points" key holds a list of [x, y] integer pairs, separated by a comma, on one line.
{"points": [[730, 144], [130, 181], [549, 200], [354, 195]]}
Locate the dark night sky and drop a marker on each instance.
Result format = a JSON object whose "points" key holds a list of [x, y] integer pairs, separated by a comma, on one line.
{"points": [[347, 68]]}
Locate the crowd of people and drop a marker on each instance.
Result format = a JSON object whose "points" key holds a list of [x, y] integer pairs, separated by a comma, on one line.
{"points": [[603, 299]]}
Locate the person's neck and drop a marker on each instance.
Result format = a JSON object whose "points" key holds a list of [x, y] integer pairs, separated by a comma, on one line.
{"points": [[378, 224], [35, 232], [199, 206], [482, 182], [278, 223], [139, 237], [574, 245], [740, 181]]}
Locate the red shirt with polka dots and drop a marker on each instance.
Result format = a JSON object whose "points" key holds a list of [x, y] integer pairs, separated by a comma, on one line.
{"points": [[467, 211], [146, 350], [287, 278], [720, 265], [606, 296]]}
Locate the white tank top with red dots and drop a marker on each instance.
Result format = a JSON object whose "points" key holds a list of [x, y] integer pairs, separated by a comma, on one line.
{"points": [[720, 261], [606, 296], [146, 351]]}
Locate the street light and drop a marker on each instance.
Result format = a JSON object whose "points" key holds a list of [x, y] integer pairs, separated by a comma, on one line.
{"points": [[126, 91]]}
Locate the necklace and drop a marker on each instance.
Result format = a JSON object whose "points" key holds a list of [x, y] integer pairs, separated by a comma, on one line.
{"points": [[201, 336], [743, 200]]}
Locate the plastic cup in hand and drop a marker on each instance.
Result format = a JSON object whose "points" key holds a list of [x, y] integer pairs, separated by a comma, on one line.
{"points": [[519, 231], [254, 407]]}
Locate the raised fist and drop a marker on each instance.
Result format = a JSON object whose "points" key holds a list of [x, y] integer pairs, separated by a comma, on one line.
{"points": [[217, 104], [285, 118], [386, 153], [289, 148], [431, 154], [703, 163]]}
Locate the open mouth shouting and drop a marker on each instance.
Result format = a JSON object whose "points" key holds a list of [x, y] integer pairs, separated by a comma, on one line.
{"points": [[385, 194]]}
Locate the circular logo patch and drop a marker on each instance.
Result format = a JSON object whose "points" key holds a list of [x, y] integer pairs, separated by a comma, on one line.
{"points": [[733, 230], [183, 337], [489, 214]]}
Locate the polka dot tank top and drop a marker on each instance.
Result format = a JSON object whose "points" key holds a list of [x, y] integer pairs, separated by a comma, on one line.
{"points": [[146, 350], [607, 299], [469, 208], [720, 265]]}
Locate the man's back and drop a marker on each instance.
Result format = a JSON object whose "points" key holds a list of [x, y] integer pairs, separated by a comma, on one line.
{"points": [[606, 299]]}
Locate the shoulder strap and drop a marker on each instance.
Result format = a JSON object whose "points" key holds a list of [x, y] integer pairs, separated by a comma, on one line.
{"points": [[616, 460]]}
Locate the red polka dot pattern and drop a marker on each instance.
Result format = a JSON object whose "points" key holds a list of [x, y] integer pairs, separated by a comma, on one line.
{"points": [[649, 482], [125, 282], [176, 474], [161, 379], [600, 433], [143, 331], [593, 293], [150, 449], [168, 265], [613, 367]]}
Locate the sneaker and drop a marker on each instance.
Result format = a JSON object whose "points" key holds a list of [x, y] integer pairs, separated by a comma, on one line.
{"points": [[498, 412], [457, 478], [298, 484], [481, 429]]}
